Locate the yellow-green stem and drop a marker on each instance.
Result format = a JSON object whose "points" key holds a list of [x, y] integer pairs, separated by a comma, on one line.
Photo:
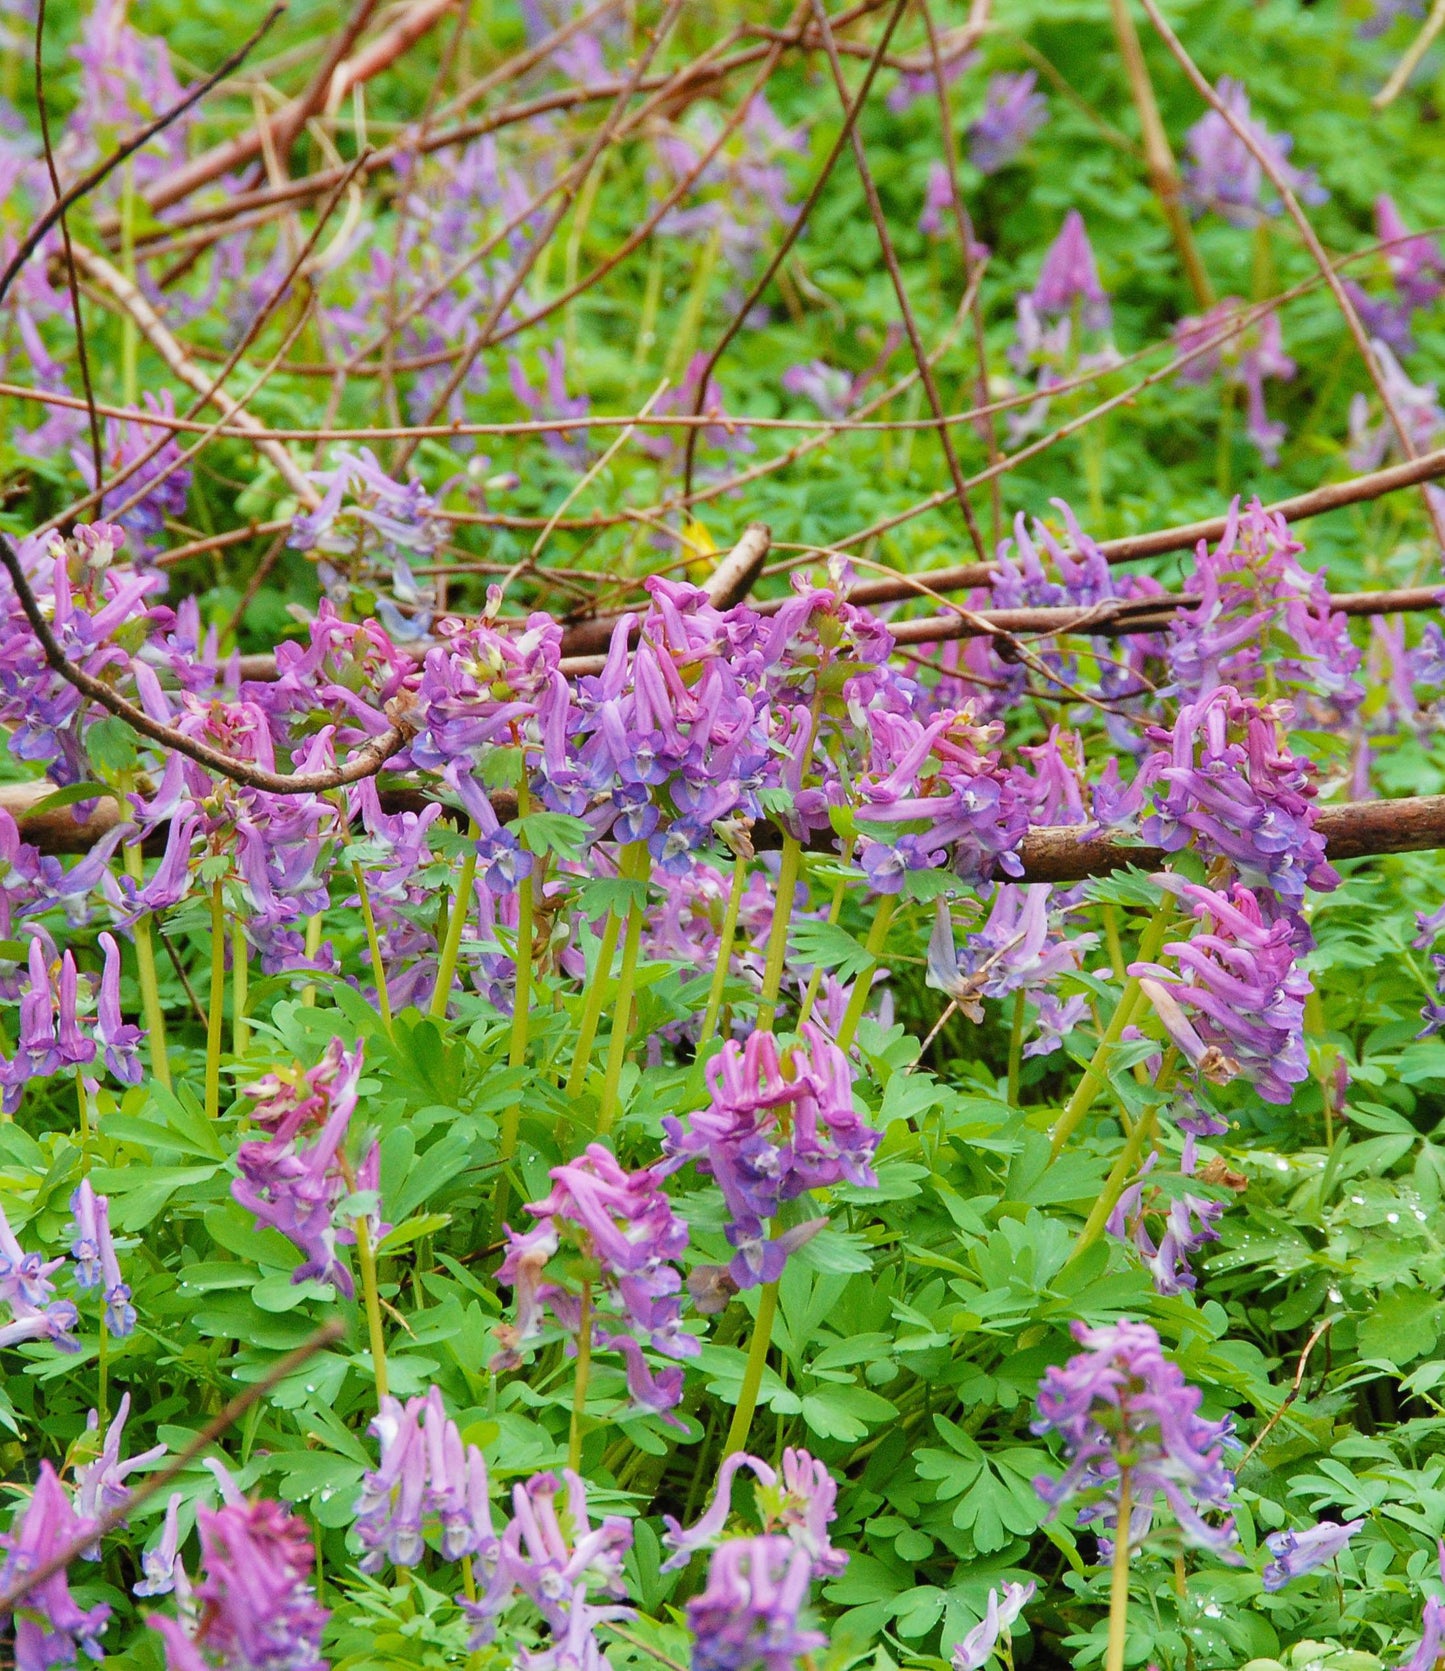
{"points": [[724, 953], [215, 1013], [240, 989], [835, 910], [145, 964], [102, 1366], [877, 936], [1016, 1049], [83, 1103], [1119, 1577], [1115, 1184], [622, 1014], [456, 922], [373, 946], [313, 945], [591, 1012], [777, 955], [1130, 1000], [579, 1384], [521, 1015], [371, 1297], [753, 1374]]}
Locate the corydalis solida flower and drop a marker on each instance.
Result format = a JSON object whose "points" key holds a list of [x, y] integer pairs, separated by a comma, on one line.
{"points": [[1123, 1411], [50, 1625], [258, 1607]]}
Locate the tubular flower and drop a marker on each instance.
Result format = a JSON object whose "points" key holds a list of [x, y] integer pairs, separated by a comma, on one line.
{"points": [[258, 1609], [1016, 950], [1428, 1654], [1236, 1004], [973, 1652], [798, 1503], [1296, 1553], [95, 1261], [425, 1476], [49, 1625], [623, 1226], [777, 1126], [1222, 174], [1122, 1409], [749, 1613], [100, 1486], [1012, 114]]}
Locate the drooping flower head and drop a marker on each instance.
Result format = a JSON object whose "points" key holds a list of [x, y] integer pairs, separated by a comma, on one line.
{"points": [[1012, 114], [798, 1503], [95, 1259], [1293, 1554], [1069, 278], [1124, 1411]]}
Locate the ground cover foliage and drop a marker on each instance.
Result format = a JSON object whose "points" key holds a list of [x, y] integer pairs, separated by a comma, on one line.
{"points": [[571, 1100]]}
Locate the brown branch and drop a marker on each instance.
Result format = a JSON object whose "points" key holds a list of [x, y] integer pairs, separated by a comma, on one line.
{"points": [[366, 762], [226, 1418]]}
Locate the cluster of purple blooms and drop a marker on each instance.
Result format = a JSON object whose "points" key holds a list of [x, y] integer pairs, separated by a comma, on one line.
{"points": [[1223, 175], [56, 1035], [297, 1187], [779, 1124], [619, 1278]]}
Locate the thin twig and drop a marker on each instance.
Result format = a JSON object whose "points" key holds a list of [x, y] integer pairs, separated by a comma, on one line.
{"points": [[229, 1415], [1293, 1392], [1410, 62]]}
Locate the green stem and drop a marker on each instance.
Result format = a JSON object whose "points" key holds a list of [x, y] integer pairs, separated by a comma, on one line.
{"points": [[1113, 942], [1016, 1049], [1119, 1577], [877, 935], [145, 963], [753, 1374], [456, 922], [579, 1383], [591, 1012], [241, 985], [835, 910], [1130, 1001], [778, 935], [102, 1365], [313, 945], [215, 1014], [724, 954], [371, 1295], [521, 1018], [1115, 1184], [373, 946], [622, 1014]]}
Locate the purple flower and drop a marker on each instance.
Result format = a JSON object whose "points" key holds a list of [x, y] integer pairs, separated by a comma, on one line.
{"points": [[1237, 1003], [776, 1127], [100, 1486], [425, 1476], [1069, 278], [1012, 113], [95, 1260], [551, 400], [1123, 1410], [937, 201], [162, 1570], [163, 484], [973, 1652], [258, 1609], [1245, 359], [49, 1626], [1296, 1553], [557, 1570], [830, 388], [1016, 949], [799, 1503], [296, 1190], [749, 1613], [1188, 1225], [119, 1040], [1417, 404], [502, 861], [1222, 174]]}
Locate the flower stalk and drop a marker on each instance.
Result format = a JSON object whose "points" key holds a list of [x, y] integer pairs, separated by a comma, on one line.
{"points": [[626, 979], [1119, 1578], [217, 1004], [726, 937]]}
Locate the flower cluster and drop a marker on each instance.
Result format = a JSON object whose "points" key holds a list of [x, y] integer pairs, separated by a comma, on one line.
{"points": [[1130, 1423], [297, 1189], [779, 1123], [622, 1285]]}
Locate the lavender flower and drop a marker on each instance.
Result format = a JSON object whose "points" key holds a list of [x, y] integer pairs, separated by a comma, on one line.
{"points": [[1069, 278], [749, 1613], [162, 1570], [629, 1239], [1017, 949], [296, 1190], [119, 1041], [425, 1475], [973, 1652], [163, 484], [1237, 1003], [258, 1608], [1222, 174], [100, 1486], [557, 1571], [1012, 113], [1296, 1553], [1428, 1654], [1189, 1223], [1245, 360], [95, 1260], [1123, 1411], [737, 1139], [798, 1504], [49, 1626]]}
